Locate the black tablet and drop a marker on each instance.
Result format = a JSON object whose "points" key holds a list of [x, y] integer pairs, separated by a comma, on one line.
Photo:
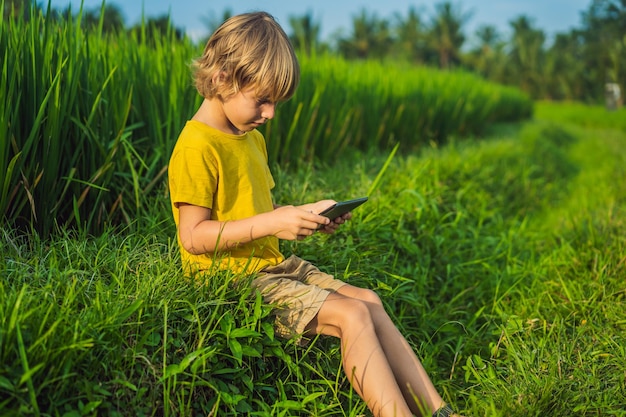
{"points": [[342, 207]]}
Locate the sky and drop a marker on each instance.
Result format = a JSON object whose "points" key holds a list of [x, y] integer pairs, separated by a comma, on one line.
{"points": [[551, 16]]}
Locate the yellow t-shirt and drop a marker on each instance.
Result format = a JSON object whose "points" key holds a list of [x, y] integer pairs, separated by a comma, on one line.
{"points": [[230, 175]]}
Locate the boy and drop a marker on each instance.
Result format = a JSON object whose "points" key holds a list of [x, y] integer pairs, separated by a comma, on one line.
{"points": [[220, 187]]}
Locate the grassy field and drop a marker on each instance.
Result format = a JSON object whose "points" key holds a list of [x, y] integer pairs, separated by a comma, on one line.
{"points": [[502, 259]]}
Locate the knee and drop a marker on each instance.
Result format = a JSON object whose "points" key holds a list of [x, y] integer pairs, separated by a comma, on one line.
{"points": [[358, 310], [370, 297], [355, 313], [376, 310]]}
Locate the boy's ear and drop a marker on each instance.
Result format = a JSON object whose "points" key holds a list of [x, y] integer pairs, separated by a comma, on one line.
{"points": [[219, 78], [220, 83]]}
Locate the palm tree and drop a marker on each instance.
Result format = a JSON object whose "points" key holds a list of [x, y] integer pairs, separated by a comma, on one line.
{"points": [[488, 35], [527, 56], [410, 36], [371, 37], [604, 34], [488, 58], [306, 32], [446, 35], [566, 58]]}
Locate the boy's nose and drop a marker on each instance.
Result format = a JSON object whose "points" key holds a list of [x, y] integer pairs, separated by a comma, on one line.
{"points": [[268, 110]]}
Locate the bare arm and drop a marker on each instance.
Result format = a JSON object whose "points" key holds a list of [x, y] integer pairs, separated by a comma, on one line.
{"points": [[199, 234]]}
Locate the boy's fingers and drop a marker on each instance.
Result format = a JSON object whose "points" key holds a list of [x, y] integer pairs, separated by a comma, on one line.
{"points": [[320, 221]]}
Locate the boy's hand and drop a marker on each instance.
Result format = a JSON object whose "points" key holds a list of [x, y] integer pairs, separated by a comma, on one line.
{"points": [[319, 207], [331, 227], [296, 223]]}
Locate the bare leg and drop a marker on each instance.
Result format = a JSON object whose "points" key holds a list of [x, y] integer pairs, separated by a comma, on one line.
{"points": [[364, 359], [407, 369]]}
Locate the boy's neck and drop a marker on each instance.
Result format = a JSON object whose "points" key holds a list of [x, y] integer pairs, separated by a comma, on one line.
{"points": [[211, 113]]}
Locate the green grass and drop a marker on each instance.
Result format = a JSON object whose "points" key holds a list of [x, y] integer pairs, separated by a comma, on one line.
{"points": [[502, 260], [581, 115]]}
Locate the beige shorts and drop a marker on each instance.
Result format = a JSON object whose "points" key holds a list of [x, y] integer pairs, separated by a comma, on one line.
{"points": [[297, 289]]}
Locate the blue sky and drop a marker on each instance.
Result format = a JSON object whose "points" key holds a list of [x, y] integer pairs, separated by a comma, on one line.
{"points": [[552, 16]]}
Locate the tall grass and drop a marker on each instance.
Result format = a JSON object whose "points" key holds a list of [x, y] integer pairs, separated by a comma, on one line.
{"points": [[79, 146], [89, 119], [365, 105], [502, 261]]}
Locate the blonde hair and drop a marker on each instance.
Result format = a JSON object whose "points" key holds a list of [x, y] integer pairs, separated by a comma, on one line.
{"points": [[250, 49]]}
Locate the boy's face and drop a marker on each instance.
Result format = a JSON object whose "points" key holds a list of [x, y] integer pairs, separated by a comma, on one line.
{"points": [[245, 111]]}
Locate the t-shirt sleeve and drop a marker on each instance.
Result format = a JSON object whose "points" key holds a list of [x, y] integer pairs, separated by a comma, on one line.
{"points": [[193, 177]]}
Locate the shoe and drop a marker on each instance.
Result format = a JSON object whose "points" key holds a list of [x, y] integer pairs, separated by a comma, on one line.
{"points": [[444, 411]]}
